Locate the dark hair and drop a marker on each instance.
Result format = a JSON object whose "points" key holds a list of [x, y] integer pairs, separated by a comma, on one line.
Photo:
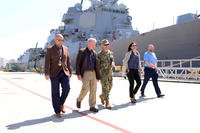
{"points": [[129, 47]]}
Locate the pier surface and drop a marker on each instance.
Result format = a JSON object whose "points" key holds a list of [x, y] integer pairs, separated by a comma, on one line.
{"points": [[25, 100]]}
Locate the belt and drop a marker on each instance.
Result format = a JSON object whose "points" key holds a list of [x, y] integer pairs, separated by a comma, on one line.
{"points": [[89, 70], [150, 68]]}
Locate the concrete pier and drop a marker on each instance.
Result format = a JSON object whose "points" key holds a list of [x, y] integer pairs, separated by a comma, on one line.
{"points": [[25, 100]]}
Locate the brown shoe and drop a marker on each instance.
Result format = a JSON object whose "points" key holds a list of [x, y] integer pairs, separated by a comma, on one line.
{"points": [[102, 99], [58, 115], [108, 105], [62, 108]]}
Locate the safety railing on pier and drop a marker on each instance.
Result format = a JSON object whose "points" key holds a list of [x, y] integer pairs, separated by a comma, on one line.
{"points": [[187, 69], [179, 69]]}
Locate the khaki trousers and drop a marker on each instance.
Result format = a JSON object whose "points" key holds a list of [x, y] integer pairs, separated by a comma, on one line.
{"points": [[89, 84]]}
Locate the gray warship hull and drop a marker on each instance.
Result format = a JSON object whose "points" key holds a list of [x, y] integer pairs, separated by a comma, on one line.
{"points": [[180, 41]]}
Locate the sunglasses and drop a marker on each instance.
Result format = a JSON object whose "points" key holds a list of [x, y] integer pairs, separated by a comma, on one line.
{"points": [[133, 45], [60, 40], [106, 45]]}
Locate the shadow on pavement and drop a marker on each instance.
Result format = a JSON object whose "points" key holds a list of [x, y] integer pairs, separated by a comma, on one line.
{"points": [[73, 114], [125, 105], [143, 99], [53, 118]]}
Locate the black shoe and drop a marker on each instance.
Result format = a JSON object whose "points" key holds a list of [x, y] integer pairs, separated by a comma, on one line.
{"points": [[161, 95], [93, 109], [78, 104], [142, 95]]}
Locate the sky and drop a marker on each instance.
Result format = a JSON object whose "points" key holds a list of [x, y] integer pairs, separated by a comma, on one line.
{"points": [[23, 23]]}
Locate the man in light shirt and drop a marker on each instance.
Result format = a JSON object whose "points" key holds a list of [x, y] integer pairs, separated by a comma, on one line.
{"points": [[150, 65]]}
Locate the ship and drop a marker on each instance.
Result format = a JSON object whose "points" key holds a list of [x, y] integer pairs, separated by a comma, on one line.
{"points": [[107, 19], [179, 41], [103, 19]]}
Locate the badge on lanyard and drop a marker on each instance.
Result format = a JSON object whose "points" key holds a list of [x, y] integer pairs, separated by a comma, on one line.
{"points": [[60, 62], [60, 59]]}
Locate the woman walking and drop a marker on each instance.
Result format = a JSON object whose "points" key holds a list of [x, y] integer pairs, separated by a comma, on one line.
{"points": [[131, 63]]}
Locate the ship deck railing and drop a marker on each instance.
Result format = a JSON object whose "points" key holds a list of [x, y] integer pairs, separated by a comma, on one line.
{"points": [[179, 73], [183, 69], [178, 69]]}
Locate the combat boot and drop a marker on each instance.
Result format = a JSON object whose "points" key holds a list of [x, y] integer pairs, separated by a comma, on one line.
{"points": [[108, 105], [102, 99]]}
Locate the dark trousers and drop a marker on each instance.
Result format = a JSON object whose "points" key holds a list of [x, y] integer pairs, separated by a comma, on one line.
{"points": [[133, 75], [150, 73], [57, 99]]}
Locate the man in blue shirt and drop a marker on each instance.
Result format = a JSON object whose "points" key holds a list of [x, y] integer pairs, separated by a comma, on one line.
{"points": [[150, 65]]}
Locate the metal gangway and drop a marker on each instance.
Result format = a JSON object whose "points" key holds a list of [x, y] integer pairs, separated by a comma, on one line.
{"points": [[179, 69]]}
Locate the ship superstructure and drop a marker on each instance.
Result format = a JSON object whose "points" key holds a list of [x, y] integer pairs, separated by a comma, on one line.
{"points": [[103, 19]]}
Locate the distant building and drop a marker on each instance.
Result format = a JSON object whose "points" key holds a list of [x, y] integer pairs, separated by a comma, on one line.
{"points": [[2, 62]]}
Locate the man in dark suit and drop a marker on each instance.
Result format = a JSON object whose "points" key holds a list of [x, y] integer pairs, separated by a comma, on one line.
{"points": [[57, 69], [88, 72]]}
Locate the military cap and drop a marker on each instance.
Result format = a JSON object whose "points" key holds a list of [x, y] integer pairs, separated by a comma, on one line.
{"points": [[105, 42]]}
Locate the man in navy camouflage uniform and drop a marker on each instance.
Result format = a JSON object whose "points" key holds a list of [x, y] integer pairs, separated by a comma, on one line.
{"points": [[106, 62]]}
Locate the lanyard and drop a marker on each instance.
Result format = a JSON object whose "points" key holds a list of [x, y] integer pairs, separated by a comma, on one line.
{"points": [[60, 52]]}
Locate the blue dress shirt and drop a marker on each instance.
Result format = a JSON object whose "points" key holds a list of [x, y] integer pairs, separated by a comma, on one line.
{"points": [[150, 57]]}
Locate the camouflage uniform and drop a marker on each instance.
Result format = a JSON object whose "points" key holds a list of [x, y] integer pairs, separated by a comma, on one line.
{"points": [[105, 62]]}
